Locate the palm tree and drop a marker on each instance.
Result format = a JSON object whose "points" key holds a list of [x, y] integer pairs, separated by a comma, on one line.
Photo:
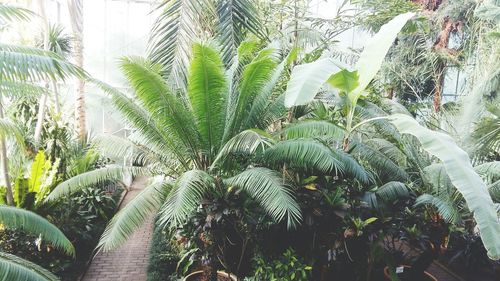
{"points": [[16, 268], [190, 139]]}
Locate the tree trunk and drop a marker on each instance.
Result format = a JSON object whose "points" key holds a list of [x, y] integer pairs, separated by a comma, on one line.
{"points": [[43, 98], [5, 162], [76, 14], [56, 97], [441, 44]]}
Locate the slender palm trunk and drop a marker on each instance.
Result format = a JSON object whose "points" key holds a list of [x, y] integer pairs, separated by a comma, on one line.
{"points": [[76, 13], [5, 162], [57, 103], [43, 98]]}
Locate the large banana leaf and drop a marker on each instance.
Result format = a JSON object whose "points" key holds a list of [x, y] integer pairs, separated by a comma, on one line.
{"points": [[307, 79], [462, 175]]}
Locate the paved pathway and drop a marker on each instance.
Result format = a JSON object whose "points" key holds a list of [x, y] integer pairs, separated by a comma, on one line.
{"points": [[129, 262]]}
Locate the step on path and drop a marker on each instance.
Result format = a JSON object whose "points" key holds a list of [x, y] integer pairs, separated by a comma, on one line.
{"points": [[130, 261]]}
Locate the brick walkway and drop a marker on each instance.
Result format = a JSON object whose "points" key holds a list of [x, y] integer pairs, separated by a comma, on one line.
{"points": [[129, 262]]}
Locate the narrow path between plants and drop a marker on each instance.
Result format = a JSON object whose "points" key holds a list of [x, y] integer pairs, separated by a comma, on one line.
{"points": [[129, 262]]}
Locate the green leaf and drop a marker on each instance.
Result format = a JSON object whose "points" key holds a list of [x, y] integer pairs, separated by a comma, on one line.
{"points": [[375, 51], [16, 268], [133, 215], [345, 80], [266, 187], [34, 224], [462, 175], [307, 79], [370, 220]]}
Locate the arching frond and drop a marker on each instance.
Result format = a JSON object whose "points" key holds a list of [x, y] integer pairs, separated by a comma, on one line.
{"points": [[133, 215], [314, 129], [25, 63], [392, 191], [388, 149], [186, 195], [266, 187], [15, 89], [235, 17], [312, 154], [378, 161], [10, 13], [489, 170], [16, 268], [141, 120], [206, 92], [172, 35], [34, 224], [249, 142], [165, 108], [94, 177], [445, 207], [9, 129], [117, 148]]}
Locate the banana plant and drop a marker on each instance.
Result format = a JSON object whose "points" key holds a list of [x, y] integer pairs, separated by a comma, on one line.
{"points": [[307, 80]]}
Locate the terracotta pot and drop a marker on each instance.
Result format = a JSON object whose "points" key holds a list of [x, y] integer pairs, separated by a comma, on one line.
{"points": [[429, 276], [199, 273]]}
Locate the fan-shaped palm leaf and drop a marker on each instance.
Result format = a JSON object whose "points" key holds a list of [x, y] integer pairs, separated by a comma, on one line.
{"points": [[15, 268], [266, 187], [32, 223]]}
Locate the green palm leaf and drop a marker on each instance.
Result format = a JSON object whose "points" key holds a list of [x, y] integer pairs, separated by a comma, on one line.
{"points": [[15, 268], [133, 215], [25, 63], [392, 191], [15, 89], [165, 108], [94, 177], [314, 129], [10, 13], [445, 207], [206, 91], [186, 195], [266, 188], [32, 223], [248, 142]]}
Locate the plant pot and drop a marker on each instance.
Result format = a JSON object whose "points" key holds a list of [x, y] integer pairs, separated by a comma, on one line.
{"points": [[221, 275], [429, 277]]}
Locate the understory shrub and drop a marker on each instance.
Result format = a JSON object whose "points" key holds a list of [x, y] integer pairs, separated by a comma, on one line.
{"points": [[163, 257]]}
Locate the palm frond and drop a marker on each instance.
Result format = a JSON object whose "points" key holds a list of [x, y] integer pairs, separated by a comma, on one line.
{"points": [[445, 207], [489, 170], [133, 215], [313, 154], [10, 13], [32, 223], [378, 161], [235, 17], [266, 187], [16, 268], [186, 195], [9, 129], [392, 191], [248, 142], [164, 106], [16, 89], [141, 120], [118, 149], [206, 91], [94, 177], [314, 129], [31, 64], [253, 79], [173, 34]]}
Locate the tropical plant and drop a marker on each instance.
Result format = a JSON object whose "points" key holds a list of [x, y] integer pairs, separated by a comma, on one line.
{"points": [[181, 23], [287, 267], [307, 80], [182, 138], [15, 268]]}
